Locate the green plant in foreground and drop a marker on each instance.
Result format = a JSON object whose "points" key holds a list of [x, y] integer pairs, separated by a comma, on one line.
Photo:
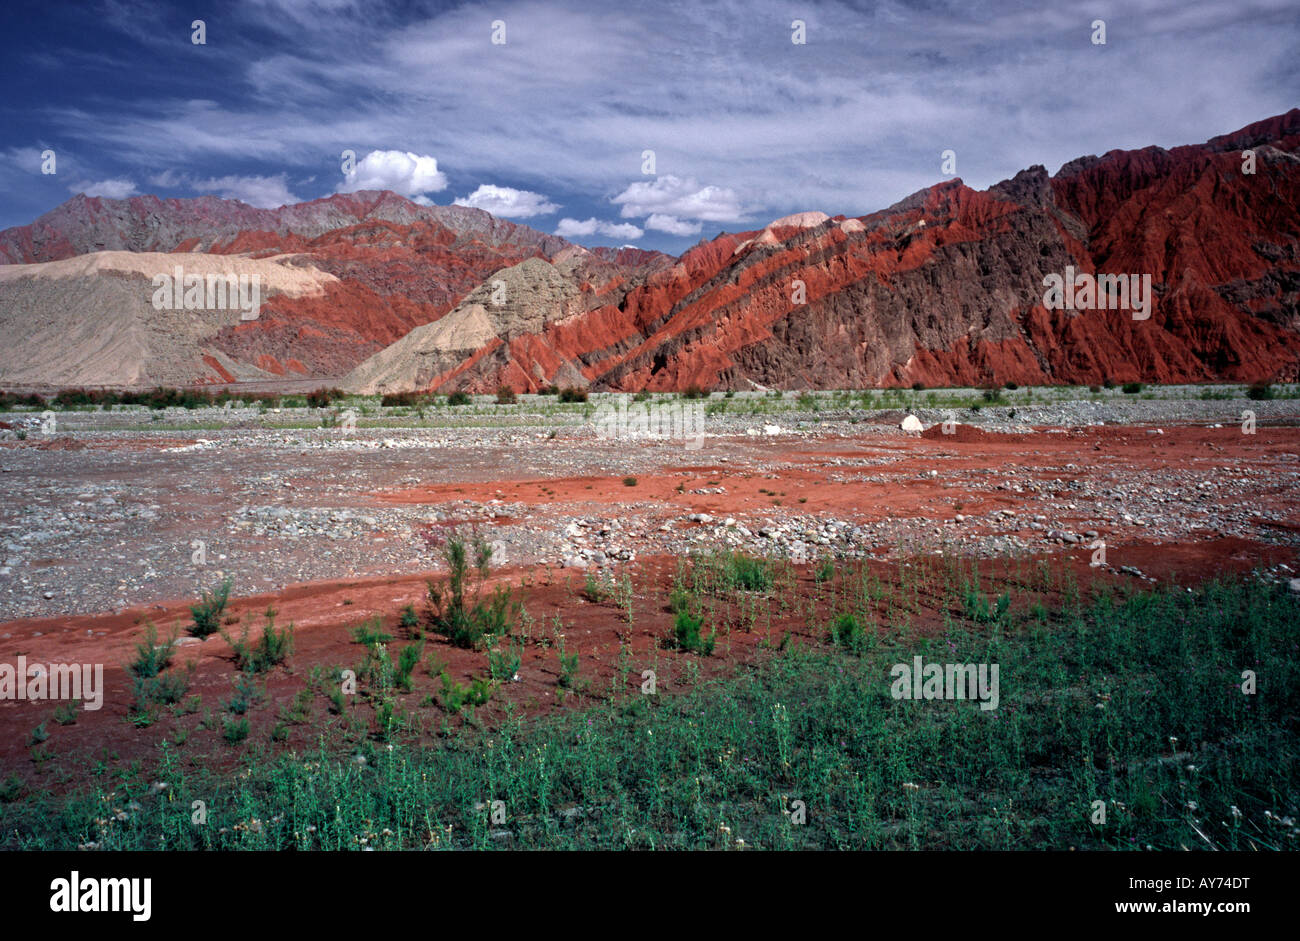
{"points": [[271, 649], [235, 731], [469, 622], [1094, 701], [151, 657], [686, 630], [207, 613], [503, 665], [847, 631]]}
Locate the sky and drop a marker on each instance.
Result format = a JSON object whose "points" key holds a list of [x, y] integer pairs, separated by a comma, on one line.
{"points": [[648, 124]]}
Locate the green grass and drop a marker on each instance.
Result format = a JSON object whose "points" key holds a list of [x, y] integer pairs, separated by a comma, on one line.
{"points": [[1132, 700]]}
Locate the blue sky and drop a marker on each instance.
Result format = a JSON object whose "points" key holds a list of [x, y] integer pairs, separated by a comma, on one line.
{"points": [[549, 128]]}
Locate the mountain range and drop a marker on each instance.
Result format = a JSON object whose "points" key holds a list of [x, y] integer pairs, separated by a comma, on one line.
{"points": [[373, 292]]}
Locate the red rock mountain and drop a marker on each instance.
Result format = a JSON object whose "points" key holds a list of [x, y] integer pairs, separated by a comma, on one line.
{"points": [[944, 287]]}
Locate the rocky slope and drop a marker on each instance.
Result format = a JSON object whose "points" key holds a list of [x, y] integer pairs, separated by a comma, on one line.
{"points": [[392, 266], [944, 287]]}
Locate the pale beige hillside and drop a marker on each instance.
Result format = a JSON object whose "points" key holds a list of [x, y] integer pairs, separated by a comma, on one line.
{"points": [[516, 300], [90, 320]]}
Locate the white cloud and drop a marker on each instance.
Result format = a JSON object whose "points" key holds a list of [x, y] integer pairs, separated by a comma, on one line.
{"points": [[113, 189], [405, 173], [574, 228], [508, 202], [168, 179], [672, 225], [670, 196], [264, 192]]}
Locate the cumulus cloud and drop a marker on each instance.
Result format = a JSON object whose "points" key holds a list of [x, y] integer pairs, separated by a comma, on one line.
{"points": [[575, 228], [508, 202], [113, 189], [670, 196], [264, 192], [402, 172], [672, 225]]}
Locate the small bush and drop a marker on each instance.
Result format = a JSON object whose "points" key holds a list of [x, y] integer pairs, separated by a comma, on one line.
{"points": [[207, 613], [1260, 391], [469, 622], [503, 665], [406, 662], [410, 623], [407, 399], [570, 394], [629, 481], [321, 398], [235, 731], [686, 629], [695, 392], [371, 633], [152, 657], [506, 396], [458, 398], [748, 573], [456, 696], [1132, 388], [272, 649], [846, 631]]}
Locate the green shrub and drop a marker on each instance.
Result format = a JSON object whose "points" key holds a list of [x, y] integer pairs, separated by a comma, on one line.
{"points": [[749, 574], [458, 398], [1260, 391], [846, 631], [456, 696], [410, 623], [271, 649], [570, 394], [152, 657], [372, 632], [406, 662], [469, 622], [1132, 388], [686, 629], [503, 665], [235, 731], [506, 396], [207, 613]]}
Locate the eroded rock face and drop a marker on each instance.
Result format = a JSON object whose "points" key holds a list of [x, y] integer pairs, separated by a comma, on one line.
{"points": [[388, 266], [944, 287]]}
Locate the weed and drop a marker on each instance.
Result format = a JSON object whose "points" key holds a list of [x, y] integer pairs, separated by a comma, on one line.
{"points": [[207, 613]]}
